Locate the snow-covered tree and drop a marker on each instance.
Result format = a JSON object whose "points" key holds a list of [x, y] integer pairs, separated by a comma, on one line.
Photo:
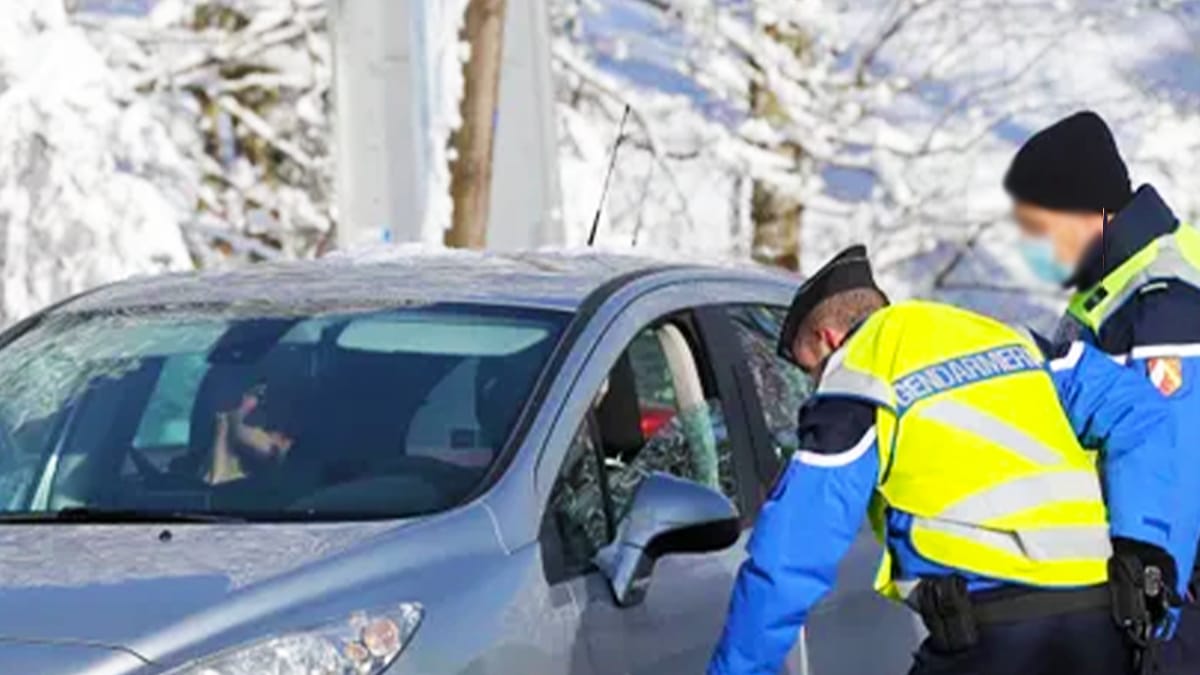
{"points": [[92, 184], [787, 129], [253, 78], [779, 129], [805, 95]]}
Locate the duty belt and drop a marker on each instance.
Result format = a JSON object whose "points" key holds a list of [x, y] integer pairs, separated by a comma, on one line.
{"points": [[1011, 604], [953, 616]]}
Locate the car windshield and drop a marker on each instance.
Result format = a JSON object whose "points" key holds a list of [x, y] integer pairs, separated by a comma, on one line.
{"points": [[215, 412]]}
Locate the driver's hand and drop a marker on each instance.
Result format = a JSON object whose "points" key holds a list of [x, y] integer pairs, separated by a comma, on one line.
{"points": [[223, 466]]}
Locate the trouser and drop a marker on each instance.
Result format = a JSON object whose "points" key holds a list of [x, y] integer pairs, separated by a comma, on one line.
{"points": [[1181, 655], [1079, 643]]}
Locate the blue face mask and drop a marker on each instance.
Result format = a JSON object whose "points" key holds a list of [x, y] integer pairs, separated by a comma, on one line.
{"points": [[1039, 255]]}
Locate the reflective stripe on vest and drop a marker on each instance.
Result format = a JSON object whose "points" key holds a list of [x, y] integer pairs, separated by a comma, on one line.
{"points": [[1048, 545], [1172, 256], [841, 380], [955, 413], [974, 446], [1023, 494]]}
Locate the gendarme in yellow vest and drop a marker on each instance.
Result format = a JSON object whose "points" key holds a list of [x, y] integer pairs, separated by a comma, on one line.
{"points": [[974, 444]]}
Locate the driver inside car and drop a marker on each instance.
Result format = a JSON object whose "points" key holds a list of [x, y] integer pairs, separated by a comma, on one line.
{"points": [[251, 437]]}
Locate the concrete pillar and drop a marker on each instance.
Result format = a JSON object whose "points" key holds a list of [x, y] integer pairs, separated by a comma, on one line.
{"points": [[380, 170]]}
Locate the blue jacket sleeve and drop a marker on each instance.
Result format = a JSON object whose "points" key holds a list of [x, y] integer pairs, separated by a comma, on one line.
{"points": [[1161, 330], [804, 529], [1115, 410]]}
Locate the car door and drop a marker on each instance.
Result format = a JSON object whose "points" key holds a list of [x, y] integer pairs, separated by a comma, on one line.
{"points": [[852, 614]]}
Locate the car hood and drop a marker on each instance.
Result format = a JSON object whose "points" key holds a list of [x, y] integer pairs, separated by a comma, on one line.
{"points": [[108, 585]]}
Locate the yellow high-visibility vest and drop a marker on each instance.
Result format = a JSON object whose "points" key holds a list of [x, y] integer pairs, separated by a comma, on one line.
{"points": [[974, 443], [1172, 256]]}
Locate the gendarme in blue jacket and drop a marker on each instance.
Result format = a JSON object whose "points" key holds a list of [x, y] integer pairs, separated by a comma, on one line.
{"points": [[1154, 329], [820, 501]]}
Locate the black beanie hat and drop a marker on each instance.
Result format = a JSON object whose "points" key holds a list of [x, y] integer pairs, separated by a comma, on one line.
{"points": [[1073, 165]]}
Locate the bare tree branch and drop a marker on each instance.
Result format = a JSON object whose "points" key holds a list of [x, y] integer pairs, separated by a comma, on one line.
{"points": [[264, 130]]}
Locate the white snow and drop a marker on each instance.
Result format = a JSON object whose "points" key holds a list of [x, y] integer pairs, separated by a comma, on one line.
{"points": [[445, 55], [92, 188]]}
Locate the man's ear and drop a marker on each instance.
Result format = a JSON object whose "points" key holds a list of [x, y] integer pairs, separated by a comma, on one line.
{"points": [[831, 337]]}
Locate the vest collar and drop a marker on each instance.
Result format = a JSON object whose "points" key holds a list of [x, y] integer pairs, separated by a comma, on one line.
{"points": [[1146, 218]]}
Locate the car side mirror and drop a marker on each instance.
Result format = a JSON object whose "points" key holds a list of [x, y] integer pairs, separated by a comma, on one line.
{"points": [[668, 515]]}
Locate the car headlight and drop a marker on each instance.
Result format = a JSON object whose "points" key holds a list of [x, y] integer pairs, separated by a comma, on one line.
{"points": [[364, 644]]}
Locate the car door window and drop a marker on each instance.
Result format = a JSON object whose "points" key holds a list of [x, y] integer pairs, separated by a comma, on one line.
{"points": [[578, 505], [679, 428], [781, 387], [655, 412]]}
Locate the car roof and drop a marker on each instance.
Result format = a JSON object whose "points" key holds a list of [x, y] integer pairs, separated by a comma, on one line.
{"points": [[389, 277]]}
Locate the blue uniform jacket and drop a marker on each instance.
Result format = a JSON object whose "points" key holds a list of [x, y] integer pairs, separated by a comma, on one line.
{"points": [[1160, 321], [819, 502]]}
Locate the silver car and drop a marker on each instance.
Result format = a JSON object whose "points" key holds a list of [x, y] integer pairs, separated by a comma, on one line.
{"points": [[456, 463]]}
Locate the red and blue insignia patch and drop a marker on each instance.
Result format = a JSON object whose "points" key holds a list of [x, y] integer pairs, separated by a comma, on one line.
{"points": [[1166, 374]]}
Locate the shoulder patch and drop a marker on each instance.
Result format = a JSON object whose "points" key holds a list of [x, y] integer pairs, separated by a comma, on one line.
{"points": [[1166, 374]]}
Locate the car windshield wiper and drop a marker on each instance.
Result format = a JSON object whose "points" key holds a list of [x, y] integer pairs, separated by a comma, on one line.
{"points": [[93, 515]]}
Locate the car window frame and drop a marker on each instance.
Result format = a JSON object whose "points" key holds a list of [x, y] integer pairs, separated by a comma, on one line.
{"points": [[768, 461], [756, 466]]}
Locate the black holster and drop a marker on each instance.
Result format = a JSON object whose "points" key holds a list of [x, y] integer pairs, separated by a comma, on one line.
{"points": [[1140, 602], [1129, 606], [945, 607]]}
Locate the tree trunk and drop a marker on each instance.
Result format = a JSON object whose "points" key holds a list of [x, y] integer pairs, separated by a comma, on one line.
{"points": [[471, 174], [776, 217], [775, 213]]}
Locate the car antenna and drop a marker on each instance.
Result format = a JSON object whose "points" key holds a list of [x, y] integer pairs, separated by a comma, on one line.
{"points": [[612, 163]]}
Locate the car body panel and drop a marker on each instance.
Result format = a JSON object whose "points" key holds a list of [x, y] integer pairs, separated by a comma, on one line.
{"points": [[674, 629]]}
